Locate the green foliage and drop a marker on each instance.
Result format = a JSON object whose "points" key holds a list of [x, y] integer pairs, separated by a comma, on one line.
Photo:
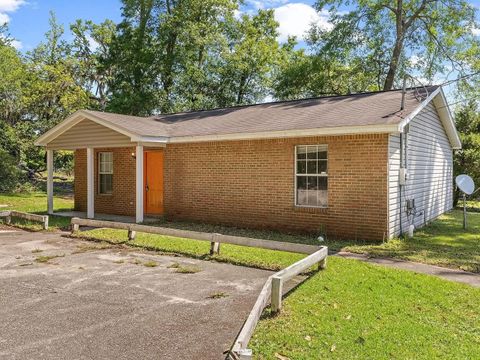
{"points": [[37, 91], [374, 44], [91, 47], [467, 160], [185, 55], [9, 172]]}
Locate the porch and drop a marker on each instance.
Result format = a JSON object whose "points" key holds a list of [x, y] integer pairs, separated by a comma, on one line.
{"points": [[126, 186]]}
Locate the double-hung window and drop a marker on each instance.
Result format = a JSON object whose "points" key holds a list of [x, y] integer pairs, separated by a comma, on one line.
{"points": [[311, 175], [105, 172]]}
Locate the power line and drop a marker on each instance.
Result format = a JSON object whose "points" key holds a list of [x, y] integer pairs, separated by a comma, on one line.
{"points": [[448, 82], [458, 102]]}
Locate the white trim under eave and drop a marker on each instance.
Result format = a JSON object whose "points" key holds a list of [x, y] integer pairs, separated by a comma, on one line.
{"points": [[342, 130]]}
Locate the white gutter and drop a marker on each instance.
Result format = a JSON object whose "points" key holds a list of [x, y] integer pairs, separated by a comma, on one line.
{"points": [[342, 130]]}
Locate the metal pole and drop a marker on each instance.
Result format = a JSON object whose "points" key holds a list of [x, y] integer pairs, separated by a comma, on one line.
{"points": [[464, 211]]}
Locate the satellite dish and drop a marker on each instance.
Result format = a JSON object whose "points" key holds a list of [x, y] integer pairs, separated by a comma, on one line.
{"points": [[465, 184]]}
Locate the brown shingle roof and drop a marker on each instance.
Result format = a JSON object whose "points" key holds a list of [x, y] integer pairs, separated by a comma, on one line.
{"points": [[376, 108]]}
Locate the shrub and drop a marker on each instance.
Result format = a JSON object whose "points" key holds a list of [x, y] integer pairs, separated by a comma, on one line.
{"points": [[9, 172]]}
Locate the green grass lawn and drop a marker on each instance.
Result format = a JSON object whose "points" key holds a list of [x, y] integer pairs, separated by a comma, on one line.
{"points": [[443, 243], [352, 310], [36, 203], [355, 310], [239, 255]]}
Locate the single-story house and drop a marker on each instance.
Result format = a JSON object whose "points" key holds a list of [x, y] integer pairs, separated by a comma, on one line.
{"points": [[361, 166]]}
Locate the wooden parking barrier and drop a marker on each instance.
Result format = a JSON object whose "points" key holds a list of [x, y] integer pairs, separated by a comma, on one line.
{"points": [[272, 290], [23, 215], [214, 239], [214, 245]]}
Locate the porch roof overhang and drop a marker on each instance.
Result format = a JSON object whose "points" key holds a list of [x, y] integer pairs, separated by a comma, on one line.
{"points": [[82, 115]]}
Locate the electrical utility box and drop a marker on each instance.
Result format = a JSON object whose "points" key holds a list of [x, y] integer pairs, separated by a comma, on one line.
{"points": [[402, 176]]}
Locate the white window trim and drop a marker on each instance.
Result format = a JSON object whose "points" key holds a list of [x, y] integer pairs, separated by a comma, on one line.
{"points": [[100, 172], [295, 179]]}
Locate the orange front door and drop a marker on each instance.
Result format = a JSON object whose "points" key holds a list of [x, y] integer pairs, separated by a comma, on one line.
{"points": [[153, 176]]}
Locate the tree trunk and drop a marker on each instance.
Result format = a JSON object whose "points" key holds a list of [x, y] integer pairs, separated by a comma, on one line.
{"points": [[392, 70], [397, 48]]}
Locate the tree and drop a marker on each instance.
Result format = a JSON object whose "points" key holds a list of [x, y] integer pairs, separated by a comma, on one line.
{"points": [[467, 160], [131, 58], [192, 39], [14, 75], [250, 62], [90, 47], [55, 90], [182, 55], [9, 172], [384, 39], [37, 91]]}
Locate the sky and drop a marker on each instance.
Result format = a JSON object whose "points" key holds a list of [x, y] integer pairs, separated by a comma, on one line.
{"points": [[28, 19]]}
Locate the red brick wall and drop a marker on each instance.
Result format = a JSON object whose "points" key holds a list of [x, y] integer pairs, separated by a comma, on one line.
{"points": [[251, 184], [122, 199]]}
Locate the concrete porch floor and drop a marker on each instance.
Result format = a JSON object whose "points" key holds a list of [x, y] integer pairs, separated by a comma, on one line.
{"points": [[108, 217]]}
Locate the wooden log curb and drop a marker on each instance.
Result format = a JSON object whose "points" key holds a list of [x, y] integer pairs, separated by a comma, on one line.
{"points": [[23, 215], [215, 239], [272, 290]]}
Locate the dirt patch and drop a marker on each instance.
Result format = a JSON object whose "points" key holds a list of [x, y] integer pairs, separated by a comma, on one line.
{"points": [[4, 227]]}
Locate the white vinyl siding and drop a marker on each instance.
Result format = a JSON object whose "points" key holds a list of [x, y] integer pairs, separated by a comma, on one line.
{"points": [[88, 133], [430, 171]]}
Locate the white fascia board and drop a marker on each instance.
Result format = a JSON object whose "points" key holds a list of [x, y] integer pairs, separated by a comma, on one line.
{"points": [[66, 124], [419, 108], [343, 130], [440, 102], [151, 139], [448, 121]]}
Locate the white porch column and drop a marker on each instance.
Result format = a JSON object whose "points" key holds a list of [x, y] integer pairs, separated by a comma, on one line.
{"points": [[90, 183], [50, 181], [139, 184]]}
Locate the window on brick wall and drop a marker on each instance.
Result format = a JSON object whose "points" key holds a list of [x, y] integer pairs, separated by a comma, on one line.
{"points": [[311, 175], [105, 172]]}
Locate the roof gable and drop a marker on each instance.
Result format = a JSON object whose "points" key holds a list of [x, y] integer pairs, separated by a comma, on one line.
{"points": [[88, 133], [438, 99]]}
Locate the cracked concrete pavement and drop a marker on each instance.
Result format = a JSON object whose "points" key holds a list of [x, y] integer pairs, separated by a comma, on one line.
{"points": [[90, 302]]}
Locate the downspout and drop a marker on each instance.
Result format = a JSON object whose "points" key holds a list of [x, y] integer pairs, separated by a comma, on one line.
{"points": [[402, 155], [399, 185]]}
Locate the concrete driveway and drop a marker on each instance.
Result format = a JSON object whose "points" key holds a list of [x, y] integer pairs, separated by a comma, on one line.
{"points": [[104, 303]]}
